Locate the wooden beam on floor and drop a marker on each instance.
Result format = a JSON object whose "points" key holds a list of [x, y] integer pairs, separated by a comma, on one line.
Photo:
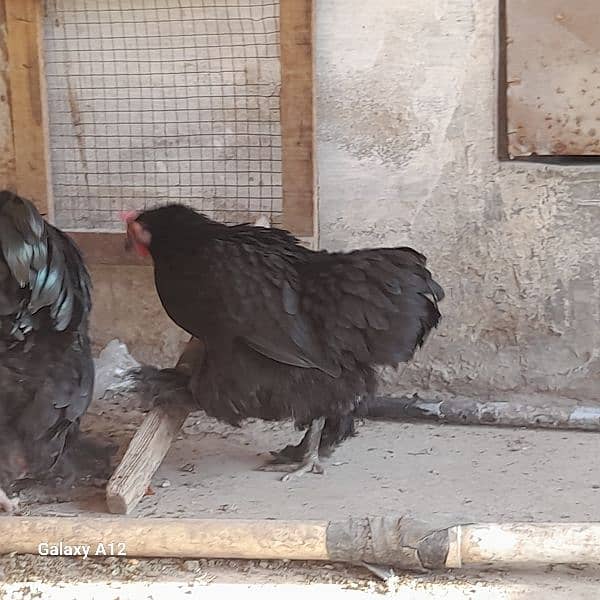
{"points": [[401, 541]]}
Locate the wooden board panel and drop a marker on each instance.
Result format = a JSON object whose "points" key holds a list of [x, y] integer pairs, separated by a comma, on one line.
{"points": [[553, 80], [297, 115], [7, 148], [108, 248], [105, 248], [23, 41]]}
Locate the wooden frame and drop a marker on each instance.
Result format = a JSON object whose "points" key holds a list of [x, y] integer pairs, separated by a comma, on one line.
{"points": [[297, 118], [26, 160], [24, 165]]}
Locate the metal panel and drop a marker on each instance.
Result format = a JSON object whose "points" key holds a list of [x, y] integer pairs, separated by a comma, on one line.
{"points": [[553, 77]]}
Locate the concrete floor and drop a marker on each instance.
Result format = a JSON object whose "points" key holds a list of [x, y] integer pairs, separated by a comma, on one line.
{"points": [[434, 472]]}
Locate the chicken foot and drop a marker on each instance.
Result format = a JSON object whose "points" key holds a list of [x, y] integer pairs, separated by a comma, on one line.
{"points": [[310, 462], [290, 454], [7, 504]]}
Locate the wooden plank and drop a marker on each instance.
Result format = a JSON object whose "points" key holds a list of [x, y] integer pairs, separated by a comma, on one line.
{"points": [[501, 115], [106, 248], [24, 29], [297, 118], [7, 148]]}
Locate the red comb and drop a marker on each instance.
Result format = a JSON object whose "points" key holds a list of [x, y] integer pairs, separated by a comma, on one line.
{"points": [[129, 215]]}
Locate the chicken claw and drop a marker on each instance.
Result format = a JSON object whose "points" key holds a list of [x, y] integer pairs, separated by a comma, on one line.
{"points": [[309, 447], [310, 465], [9, 506]]}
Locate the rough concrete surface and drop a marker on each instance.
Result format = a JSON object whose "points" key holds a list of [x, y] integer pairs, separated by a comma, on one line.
{"points": [[406, 154], [433, 472]]}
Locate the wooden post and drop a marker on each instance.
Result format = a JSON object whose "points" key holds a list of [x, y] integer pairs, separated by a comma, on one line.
{"points": [[7, 146], [23, 40], [296, 39]]}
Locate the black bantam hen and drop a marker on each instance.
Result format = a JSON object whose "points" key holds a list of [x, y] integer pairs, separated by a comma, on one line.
{"points": [[46, 367], [289, 333]]}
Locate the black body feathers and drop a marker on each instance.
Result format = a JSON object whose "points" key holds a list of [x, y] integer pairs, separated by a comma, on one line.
{"points": [[289, 332], [46, 367]]}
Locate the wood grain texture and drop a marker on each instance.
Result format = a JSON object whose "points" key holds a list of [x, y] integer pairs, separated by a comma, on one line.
{"points": [[108, 248], [146, 451], [151, 442], [7, 147], [105, 248], [23, 41], [166, 537], [297, 120]]}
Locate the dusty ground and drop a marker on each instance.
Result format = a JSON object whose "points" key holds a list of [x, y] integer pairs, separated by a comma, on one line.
{"points": [[116, 579], [430, 471]]}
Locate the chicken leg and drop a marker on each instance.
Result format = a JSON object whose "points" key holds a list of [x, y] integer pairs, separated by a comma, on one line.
{"points": [[290, 454], [335, 431], [310, 456]]}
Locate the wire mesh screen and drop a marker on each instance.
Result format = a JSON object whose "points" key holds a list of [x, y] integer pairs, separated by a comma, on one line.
{"points": [[155, 101]]}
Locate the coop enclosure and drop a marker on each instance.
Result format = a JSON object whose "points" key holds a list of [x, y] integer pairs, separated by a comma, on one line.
{"points": [[124, 104]]}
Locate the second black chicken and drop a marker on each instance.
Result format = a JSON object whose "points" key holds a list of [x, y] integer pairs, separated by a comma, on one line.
{"points": [[46, 367], [288, 333]]}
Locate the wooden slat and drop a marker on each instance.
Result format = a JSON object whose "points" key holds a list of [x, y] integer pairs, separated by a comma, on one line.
{"points": [[108, 248], [297, 115], [23, 39], [7, 148], [105, 248]]}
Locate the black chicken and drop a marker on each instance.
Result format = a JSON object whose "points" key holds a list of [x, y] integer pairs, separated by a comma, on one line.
{"points": [[288, 332], [46, 367]]}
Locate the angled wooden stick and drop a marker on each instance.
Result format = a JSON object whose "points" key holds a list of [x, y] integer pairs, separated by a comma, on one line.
{"points": [[151, 443], [144, 455]]}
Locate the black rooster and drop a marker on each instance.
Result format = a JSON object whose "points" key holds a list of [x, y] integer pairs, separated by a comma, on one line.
{"points": [[288, 332], [46, 367]]}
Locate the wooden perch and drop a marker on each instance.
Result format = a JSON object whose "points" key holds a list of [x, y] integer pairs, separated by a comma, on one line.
{"points": [[400, 542], [470, 411], [144, 455], [150, 444]]}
